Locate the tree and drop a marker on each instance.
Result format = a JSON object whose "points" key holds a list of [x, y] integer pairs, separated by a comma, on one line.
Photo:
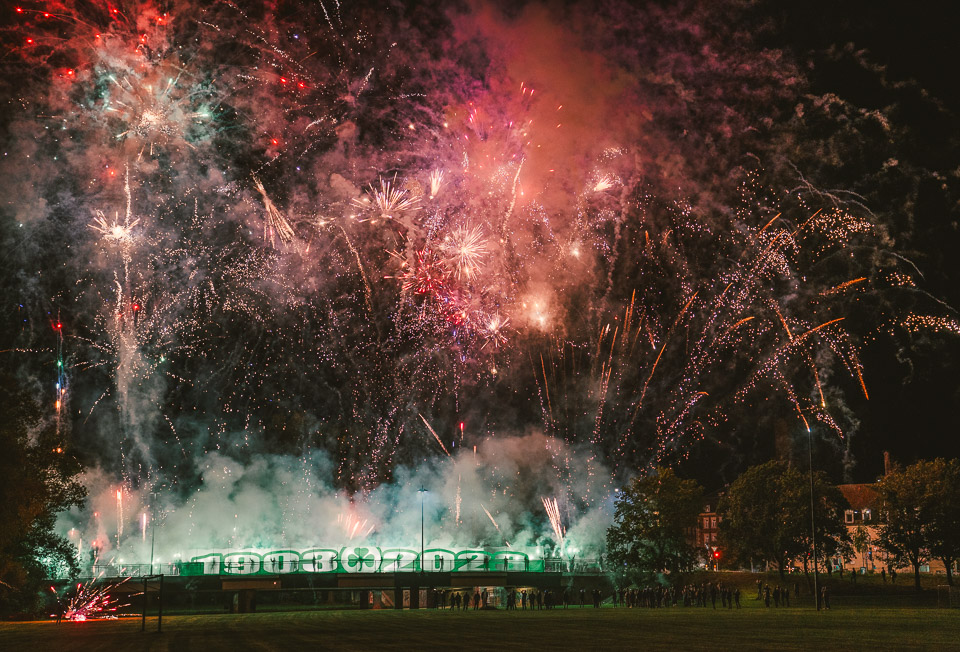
{"points": [[861, 539], [943, 512], [904, 497], [765, 516], [920, 516], [37, 480], [653, 515]]}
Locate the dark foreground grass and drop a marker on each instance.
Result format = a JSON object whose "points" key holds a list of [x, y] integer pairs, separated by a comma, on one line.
{"points": [[859, 628]]}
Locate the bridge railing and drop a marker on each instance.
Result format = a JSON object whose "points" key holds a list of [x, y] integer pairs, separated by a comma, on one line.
{"points": [[136, 570], [584, 566]]}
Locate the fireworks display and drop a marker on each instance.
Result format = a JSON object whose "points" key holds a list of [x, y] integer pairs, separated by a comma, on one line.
{"points": [[92, 600], [297, 257]]}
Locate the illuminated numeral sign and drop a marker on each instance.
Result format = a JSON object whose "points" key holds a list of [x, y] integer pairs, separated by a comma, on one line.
{"points": [[358, 559]]}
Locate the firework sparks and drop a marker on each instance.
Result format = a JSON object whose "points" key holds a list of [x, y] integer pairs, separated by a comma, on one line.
{"points": [[604, 182], [275, 225], [115, 231], [387, 202], [916, 323], [436, 181], [494, 521], [92, 602], [352, 525], [466, 248], [553, 513], [119, 515]]}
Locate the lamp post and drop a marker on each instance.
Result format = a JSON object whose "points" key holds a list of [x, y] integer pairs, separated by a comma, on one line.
{"points": [[421, 491], [153, 525], [813, 528]]}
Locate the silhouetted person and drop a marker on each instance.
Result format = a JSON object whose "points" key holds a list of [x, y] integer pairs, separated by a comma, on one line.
{"points": [[523, 600], [736, 596], [476, 600], [883, 574]]}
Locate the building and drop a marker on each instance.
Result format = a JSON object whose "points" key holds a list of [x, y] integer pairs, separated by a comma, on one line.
{"points": [[861, 519], [703, 534]]}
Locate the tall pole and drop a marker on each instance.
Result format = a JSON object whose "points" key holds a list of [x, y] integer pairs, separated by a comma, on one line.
{"points": [[813, 528], [160, 607], [153, 526], [421, 491]]}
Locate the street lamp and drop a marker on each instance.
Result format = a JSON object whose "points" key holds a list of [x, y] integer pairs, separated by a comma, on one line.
{"points": [[153, 526], [813, 528], [421, 491]]}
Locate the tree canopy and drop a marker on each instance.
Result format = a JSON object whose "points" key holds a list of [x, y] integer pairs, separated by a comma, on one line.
{"points": [[37, 480], [653, 516], [921, 514], [765, 516]]}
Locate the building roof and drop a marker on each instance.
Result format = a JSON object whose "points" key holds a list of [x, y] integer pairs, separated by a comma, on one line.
{"points": [[860, 496]]}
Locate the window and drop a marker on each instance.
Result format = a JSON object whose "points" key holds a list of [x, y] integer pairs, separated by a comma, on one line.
{"points": [[713, 522], [848, 516], [867, 515]]}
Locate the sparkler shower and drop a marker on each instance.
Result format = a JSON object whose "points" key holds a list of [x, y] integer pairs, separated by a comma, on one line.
{"points": [[294, 260]]}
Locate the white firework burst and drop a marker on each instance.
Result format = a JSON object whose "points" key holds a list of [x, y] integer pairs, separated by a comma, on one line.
{"points": [[436, 180], [604, 182], [494, 328], [115, 231], [465, 248], [388, 201]]}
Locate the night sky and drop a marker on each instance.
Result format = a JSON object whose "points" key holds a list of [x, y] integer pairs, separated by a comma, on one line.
{"points": [[325, 251]]}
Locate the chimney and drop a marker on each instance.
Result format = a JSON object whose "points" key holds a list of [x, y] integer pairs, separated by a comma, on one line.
{"points": [[887, 463]]}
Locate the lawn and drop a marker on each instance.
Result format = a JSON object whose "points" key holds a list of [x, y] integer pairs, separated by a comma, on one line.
{"points": [[753, 627]]}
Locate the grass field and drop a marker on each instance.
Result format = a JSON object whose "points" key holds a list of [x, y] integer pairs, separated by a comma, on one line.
{"points": [[856, 628]]}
